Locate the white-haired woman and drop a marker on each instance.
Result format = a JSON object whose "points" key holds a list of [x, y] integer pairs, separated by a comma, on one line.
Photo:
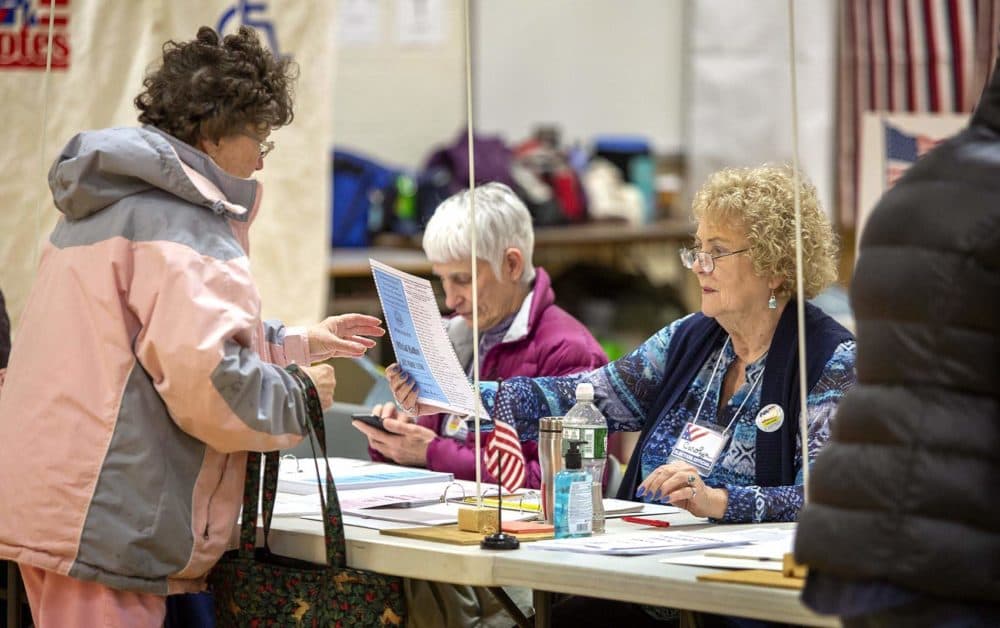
{"points": [[522, 331], [714, 395]]}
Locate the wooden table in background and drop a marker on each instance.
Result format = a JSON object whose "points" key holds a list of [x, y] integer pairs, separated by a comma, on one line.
{"points": [[555, 248]]}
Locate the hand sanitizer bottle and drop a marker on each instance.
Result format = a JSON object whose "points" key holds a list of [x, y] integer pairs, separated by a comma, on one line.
{"points": [[584, 422], [573, 502]]}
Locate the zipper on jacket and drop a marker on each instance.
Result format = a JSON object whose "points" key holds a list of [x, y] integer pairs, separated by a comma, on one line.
{"points": [[211, 497]]}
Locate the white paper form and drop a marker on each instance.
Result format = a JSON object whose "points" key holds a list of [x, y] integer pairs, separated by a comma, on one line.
{"points": [[767, 550], [299, 476], [420, 342], [635, 544]]}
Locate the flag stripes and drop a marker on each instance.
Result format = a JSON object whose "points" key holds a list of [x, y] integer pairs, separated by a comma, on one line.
{"points": [[905, 56], [504, 457]]}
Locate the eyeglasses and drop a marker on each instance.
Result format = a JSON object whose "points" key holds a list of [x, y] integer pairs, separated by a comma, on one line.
{"points": [[705, 259], [264, 146]]}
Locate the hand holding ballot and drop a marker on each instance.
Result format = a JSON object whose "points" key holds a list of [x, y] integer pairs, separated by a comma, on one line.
{"points": [[406, 393], [422, 347]]}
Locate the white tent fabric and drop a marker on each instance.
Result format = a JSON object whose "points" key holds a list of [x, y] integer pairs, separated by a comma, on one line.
{"points": [[738, 110], [106, 48]]}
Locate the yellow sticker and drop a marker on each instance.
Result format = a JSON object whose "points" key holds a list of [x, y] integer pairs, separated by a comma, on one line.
{"points": [[455, 427], [770, 418]]}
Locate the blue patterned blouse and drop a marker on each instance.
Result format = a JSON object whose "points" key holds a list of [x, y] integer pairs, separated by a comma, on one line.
{"points": [[625, 388]]}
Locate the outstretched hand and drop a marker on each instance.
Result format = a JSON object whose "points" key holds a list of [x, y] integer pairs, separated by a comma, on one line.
{"points": [[343, 336]]}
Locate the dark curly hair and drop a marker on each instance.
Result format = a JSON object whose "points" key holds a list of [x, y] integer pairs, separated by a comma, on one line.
{"points": [[204, 89]]}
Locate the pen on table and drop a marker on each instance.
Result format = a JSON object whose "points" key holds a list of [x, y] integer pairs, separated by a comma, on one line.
{"points": [[658, 523]]}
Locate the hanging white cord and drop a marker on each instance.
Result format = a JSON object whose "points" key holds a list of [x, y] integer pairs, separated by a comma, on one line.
{"points": [[475, 259], [800, 295], [45, 126]]}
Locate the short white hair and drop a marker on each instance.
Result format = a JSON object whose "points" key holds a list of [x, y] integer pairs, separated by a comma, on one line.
{"points": [[502, 222]]}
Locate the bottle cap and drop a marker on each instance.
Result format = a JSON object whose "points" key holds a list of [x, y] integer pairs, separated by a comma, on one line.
{"points": [[584, 391], [573, 457]]}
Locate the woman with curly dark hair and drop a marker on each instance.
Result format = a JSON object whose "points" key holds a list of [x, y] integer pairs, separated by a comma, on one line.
{"points": [[213, 96], [142, 372]]}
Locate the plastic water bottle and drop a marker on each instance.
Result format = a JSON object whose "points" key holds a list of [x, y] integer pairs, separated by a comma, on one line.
{"points": [[584, 422]]}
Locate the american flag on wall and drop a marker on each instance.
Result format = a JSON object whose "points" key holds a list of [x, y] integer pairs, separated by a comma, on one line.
{"points": [[906, 56], [902, 150], [504, 457]]}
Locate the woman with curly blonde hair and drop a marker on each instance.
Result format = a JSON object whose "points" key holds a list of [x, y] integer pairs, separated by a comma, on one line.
{"points": [[714, 394]]}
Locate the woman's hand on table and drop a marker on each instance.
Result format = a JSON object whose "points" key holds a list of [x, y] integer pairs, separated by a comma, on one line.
{"points": [[679, 484]]}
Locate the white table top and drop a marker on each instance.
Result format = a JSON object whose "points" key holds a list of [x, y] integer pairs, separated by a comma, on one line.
{"points": [[630, 578], [367, 549]]}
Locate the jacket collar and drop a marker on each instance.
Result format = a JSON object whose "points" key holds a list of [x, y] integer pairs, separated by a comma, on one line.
{"points": [[539, 298]]}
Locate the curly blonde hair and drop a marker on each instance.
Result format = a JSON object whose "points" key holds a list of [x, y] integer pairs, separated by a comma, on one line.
{"points": [[761, 201]]}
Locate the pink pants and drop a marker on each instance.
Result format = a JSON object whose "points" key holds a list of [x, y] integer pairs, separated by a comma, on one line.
{"points": [[63, 602]]}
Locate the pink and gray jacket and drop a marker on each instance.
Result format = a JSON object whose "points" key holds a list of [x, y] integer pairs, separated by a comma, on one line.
{"points": [[141, 372], [542, 340]]}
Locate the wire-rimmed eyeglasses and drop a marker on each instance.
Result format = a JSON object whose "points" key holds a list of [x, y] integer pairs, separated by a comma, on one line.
{"points": [[705, 259], [264, 146]]}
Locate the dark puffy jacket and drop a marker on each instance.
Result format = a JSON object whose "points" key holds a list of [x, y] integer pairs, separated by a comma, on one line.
{"points": [[906, 490]]}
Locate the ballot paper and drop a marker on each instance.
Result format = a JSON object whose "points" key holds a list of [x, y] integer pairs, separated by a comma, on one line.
{"points": [[418, 337], [360, 500], [636, 544], [766, 550]]}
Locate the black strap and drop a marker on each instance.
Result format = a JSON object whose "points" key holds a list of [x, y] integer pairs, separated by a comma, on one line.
{"points": [[333, 532]]}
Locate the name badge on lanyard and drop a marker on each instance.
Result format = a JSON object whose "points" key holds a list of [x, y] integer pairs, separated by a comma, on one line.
{"points": [[699, 446]]}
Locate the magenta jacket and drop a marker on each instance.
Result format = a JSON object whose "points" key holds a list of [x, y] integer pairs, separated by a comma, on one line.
{"points": [[542, 340]]}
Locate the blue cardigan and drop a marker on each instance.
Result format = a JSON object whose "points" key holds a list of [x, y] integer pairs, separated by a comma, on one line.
{"points": [[695, 341]]}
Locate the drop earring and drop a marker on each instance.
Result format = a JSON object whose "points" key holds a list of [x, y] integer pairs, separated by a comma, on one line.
{"points": [[772, 303]]}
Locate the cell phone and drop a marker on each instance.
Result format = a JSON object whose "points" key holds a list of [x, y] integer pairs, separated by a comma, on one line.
{"points": [[371, 420]]}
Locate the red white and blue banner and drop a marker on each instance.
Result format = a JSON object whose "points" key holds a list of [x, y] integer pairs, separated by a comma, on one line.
{"points": [[904, 57], [902, 150], [890, 145]]}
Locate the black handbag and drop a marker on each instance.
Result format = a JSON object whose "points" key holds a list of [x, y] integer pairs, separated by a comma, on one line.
{"points": [[254, 587]]}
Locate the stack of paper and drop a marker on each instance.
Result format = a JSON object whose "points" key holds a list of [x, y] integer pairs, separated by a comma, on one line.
{"points": [[636, 544], [299, 476], [766, 550], [620, 507]]}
